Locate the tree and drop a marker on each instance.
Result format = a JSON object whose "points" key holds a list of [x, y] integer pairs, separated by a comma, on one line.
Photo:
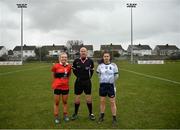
{"points": [[41, 53], [97, 54], [116, 54], [4, 57], [70, 43]]}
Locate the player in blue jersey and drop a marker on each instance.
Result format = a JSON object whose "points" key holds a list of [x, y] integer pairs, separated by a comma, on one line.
{"points": [[108, 73]]}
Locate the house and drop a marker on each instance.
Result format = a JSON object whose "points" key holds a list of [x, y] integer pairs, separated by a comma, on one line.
{"points": [[76, 48], [10, 52], [54, 50], [28, 51], [165, 50], [140, 50], [3, 51], [111, 47]]}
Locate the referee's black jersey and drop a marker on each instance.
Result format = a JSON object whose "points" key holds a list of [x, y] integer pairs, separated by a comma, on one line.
{"points": [[83, 69]]}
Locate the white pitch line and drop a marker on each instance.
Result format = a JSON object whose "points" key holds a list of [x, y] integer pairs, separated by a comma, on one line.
{"points": [[11, 72], [151, 76]]}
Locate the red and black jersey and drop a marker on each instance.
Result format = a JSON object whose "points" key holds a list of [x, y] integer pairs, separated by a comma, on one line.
{"points": [[61, 76]]}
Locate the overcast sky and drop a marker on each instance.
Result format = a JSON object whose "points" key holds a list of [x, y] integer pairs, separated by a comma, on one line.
{"points": [[96, 22]]}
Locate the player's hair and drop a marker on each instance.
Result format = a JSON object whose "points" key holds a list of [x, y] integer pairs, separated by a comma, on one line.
{"points": [[62, 53], [105, 52]]}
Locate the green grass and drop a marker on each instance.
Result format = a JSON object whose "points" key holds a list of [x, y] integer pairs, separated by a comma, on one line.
{"points": [[26, 98]]}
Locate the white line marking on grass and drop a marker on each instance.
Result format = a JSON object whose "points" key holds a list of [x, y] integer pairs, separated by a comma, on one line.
{"points": [[11, 72], [151, 76]]}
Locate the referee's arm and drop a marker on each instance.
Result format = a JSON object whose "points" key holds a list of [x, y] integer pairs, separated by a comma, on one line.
{"points": [[74, 67], [92, 68]]}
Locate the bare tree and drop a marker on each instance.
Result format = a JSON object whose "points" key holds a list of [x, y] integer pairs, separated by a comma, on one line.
{"points": [[71, 43]]}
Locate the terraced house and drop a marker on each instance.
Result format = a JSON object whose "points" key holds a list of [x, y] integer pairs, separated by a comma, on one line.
{"points": [[140, 50], [166, 50], [28, 51]]}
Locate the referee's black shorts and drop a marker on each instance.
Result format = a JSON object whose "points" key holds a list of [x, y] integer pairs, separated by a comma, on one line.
{"points": [[82, 85]]}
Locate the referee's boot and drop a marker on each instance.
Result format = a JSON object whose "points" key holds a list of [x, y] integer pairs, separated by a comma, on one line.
{"points": [[91, 116], [74, 116], [114, 123]]}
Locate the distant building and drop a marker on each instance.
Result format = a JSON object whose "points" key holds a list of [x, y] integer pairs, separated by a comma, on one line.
{"points": [[10, 52], [28, 51], [140, 50], [54, 50], [112, 47], [3, 51], [165, 50]]}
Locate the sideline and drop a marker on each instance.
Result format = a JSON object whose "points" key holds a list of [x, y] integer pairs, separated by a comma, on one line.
{"points": [[11, 72], [151, 76]]}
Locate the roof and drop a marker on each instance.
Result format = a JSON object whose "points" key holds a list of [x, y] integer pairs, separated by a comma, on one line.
{"points": [[78, 47], [1, 47], [114, 47], [54, 47], [10, 52], [140, 47], [167, 47], [18, 48]]}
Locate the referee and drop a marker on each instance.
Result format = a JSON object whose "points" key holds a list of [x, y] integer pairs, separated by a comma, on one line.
{"points": [[83, 68]]}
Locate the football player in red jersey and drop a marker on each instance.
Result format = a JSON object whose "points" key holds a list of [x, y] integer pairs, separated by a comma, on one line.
{"points": [[60, 85]]}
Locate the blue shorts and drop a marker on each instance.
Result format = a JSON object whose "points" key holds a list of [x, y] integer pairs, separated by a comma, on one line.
{"points": [[107, 89]]}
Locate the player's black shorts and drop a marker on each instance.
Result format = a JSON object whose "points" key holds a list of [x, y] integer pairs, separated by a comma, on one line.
{"points": [[107, 89], [59, 92], [82, 85]]}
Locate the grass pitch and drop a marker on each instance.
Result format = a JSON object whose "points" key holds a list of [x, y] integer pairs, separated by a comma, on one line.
{"points": [[26, 98]]}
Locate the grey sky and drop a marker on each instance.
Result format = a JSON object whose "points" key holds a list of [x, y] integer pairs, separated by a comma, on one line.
{"points": [[96, 22]]}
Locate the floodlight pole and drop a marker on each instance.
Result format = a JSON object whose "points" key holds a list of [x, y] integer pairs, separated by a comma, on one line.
{"points": [[131, 5], [21, 6], [40, 53]]}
